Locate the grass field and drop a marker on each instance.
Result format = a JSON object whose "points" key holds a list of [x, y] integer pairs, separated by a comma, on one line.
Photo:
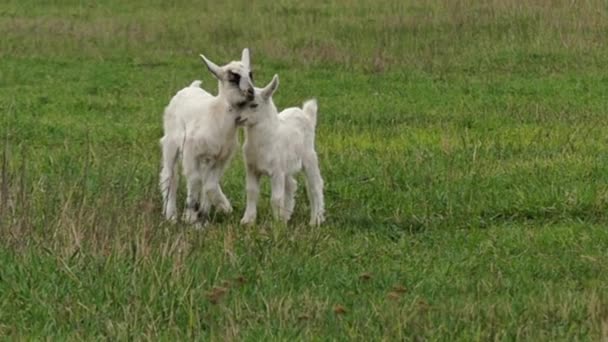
{"points": [[464, 145]]}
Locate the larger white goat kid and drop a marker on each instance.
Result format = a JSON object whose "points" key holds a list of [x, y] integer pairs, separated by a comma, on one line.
{"points": [[202, 129], [279, 145]]}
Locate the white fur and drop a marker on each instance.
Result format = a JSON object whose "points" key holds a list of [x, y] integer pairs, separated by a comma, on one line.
{"points": [[279, 145], [201, 128]]}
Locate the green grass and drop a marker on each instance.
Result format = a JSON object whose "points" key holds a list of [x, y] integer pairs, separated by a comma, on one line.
{"points": [[464, 146]]}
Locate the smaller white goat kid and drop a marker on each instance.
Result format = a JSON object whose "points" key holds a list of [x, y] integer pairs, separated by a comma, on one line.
{"points": [[279, 145], [202, 129]]}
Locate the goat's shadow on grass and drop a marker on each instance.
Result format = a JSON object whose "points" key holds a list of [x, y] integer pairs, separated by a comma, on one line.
{"points": [[394, 229], [217, 218]]}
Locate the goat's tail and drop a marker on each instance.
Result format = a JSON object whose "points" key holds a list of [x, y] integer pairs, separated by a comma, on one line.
{"points": [[196, 83], [310, 109]]}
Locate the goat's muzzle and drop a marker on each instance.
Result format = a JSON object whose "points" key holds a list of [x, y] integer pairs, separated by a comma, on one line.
{"points": [[239, 121], [250, 94]]}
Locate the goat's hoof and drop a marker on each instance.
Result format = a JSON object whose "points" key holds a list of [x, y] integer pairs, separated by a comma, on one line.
{"points": [[170, 215], [247, 221], [190, 217], [317, 220], [200, 225], [171, 218], [225, 208]]}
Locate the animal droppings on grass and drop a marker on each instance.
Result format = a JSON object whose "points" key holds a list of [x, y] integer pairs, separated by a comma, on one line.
{"points": [[339, 310], [399, 289], [303, 317], [216, 294], [240, 280], [365, 276], [393, 295], [423, 305]]}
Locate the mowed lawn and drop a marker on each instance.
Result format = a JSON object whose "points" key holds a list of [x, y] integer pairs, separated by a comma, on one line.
{"points": [[464, 147]]}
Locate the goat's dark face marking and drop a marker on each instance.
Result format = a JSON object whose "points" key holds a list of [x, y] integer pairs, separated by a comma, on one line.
{"points": [[249, 112], [236, 79], [237, 84]]}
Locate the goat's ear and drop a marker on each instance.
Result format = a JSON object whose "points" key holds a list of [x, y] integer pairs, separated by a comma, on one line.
{"points": [[215, 70], [271, 87], [245, 58]]}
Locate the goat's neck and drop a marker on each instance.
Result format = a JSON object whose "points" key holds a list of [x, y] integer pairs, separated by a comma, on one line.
{"points": [[220, 89], [220, 95], [223, 105], [265, 130]]}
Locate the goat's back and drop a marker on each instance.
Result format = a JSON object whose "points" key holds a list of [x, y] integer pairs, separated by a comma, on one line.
{"points": [[185, 106], [296, 118]]}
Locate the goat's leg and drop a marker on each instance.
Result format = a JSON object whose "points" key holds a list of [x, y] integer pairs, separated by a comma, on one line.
{"points": [[169, 178], [277, 198], [205, 166], [291, 186], [205, 202], [224, 206], [253, 194], [212, 190], [315, 189], [192, 172]]}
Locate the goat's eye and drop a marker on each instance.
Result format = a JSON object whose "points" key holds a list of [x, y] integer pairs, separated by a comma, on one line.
{"points": [[234, 78], [253, 105]]}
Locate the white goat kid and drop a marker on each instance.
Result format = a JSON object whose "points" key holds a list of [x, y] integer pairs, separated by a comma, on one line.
{"points": [[279, 145], [202, 129]]}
